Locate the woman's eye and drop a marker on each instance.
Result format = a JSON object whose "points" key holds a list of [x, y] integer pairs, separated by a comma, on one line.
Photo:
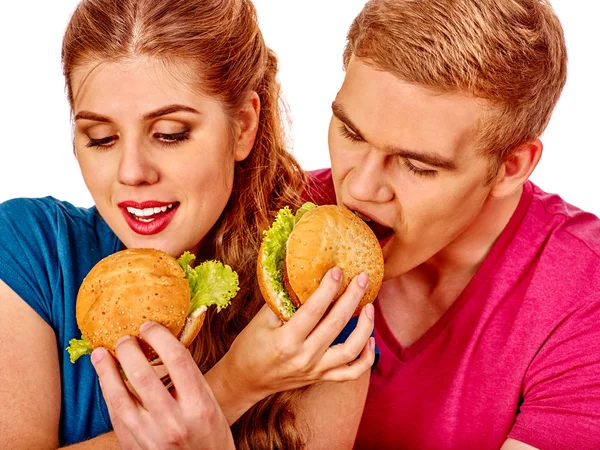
{"points": [[102, 142], [172, 138], [419, 171]]}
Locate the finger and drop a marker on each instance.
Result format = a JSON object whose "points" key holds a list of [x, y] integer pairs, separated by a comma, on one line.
{"points": [[185, 374], [122, 407], [355, 343], [144, 380], [338, 316], [267, 317], [355, 369], [127, 440], [308, 316]]}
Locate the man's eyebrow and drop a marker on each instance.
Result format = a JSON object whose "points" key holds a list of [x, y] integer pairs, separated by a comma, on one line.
{"points": [[339, 113], [429, 158], [169, 109]]}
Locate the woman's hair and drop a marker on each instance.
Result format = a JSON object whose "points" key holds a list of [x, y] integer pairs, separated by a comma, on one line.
{"points": [[220, 40], [510, 53]]}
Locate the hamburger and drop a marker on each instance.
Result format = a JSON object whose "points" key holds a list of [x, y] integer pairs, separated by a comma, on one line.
{"points": [[133, 286], [298, 249]]}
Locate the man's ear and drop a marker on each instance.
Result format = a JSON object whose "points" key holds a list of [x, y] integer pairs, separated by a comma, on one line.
{"points": [[246, 126], [516, 170]]}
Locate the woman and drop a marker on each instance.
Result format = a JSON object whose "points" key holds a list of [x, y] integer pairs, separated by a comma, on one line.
{"points": [[178, 135]]}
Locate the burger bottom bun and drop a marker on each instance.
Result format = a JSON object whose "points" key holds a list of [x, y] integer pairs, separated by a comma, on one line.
{"points": [[271, 297], [190, 332]]}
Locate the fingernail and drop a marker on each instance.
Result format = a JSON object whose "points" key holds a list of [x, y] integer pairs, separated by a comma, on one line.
{"points": [[363, 280], [122, 339], [336, 273], [372, 343], [370, 311], [146, 325], [97, 355]]}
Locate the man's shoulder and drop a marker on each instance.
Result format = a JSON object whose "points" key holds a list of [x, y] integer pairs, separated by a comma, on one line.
{"points": [[572, 228], [320, 188]]}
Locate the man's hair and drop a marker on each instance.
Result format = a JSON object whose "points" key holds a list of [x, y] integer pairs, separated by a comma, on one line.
{"points": [[510, 53]]}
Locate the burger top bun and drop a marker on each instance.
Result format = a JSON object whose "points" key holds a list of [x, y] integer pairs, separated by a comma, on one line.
{"points": [[323, 237], [329, 236], [129, 288]]}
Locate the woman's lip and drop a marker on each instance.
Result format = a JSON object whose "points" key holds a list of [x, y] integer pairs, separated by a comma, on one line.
{"points": [[151, 224], [142, 205]]}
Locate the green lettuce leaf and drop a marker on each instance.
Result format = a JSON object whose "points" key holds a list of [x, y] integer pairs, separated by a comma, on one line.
{"points": [[274, 247], [303, 209], [77, 348], [211, 283]]}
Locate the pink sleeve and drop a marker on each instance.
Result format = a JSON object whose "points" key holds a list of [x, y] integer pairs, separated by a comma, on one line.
{"points": [[561, 390]]}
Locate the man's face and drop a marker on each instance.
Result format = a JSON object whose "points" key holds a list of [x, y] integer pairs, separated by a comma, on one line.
{"points": [[405, 157]]}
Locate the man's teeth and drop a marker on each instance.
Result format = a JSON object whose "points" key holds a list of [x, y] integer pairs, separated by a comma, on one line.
{"points": [[365, 218], [142, 214]]}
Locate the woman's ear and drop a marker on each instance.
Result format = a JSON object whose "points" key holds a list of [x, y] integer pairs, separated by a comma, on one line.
{"points": [[246, 126], [516, 170]]}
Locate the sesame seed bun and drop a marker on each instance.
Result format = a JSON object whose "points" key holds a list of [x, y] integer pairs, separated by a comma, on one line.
{"points": [[129, 288], [325, 237]]}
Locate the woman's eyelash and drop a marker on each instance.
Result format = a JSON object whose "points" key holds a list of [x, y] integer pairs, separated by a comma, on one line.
{"points": [[103, 142], [165, 139], [417, 171], [172, 138], [344, 131]]}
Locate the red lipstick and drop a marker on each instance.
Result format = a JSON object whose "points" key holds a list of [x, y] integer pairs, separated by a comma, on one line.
{"points": [[148, 217]]}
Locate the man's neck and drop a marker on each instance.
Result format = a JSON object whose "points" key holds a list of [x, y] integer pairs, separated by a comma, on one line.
{"points": [[467, 252], [413, 302]]}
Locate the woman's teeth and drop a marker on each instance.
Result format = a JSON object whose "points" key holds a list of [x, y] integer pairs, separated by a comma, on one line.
{"points": [[144, 214]]}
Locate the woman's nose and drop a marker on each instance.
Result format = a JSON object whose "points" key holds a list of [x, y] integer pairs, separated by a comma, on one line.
{"points": [[136, 166]]}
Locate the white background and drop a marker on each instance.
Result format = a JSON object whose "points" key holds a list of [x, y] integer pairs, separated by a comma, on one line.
{"points": [[36, 156]]}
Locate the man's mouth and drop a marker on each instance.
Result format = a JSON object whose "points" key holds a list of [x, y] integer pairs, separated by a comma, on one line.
{"points": [[382, 232]]}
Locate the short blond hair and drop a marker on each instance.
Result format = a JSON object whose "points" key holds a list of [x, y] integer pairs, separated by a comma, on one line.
{"points": [[510, 53]]}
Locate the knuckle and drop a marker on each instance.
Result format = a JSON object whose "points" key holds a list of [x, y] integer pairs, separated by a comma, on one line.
{"points": [[176, 435], [302, 364], [179, 357], [117, 402], [284, 349], [337, 322], [142, 378]]}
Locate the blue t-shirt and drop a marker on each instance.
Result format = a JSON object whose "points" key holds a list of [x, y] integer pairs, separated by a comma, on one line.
{"points": [[48, 247]]}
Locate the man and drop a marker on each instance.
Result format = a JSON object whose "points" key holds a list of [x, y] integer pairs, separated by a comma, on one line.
{"points": [[488, 321]]}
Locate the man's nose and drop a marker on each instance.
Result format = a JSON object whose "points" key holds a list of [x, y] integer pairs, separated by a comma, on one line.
{"points": [[368, 180]]}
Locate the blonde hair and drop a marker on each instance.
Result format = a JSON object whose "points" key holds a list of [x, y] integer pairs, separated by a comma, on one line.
{"points": [[221, 41], [510, 53]]}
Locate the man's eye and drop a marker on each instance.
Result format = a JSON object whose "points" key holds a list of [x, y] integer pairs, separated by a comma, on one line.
{"points": [[348, 134], [102, 142], [418, 171]]}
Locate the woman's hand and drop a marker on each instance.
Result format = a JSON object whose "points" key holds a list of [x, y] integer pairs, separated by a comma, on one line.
{"points": [[188, 417], [269, 356]]}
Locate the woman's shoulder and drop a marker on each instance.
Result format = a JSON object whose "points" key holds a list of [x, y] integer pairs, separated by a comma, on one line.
{"points": [[47, 215], [34, 226]]}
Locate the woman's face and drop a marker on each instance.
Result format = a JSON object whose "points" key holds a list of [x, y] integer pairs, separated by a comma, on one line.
{"points": [[156, 154]]}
